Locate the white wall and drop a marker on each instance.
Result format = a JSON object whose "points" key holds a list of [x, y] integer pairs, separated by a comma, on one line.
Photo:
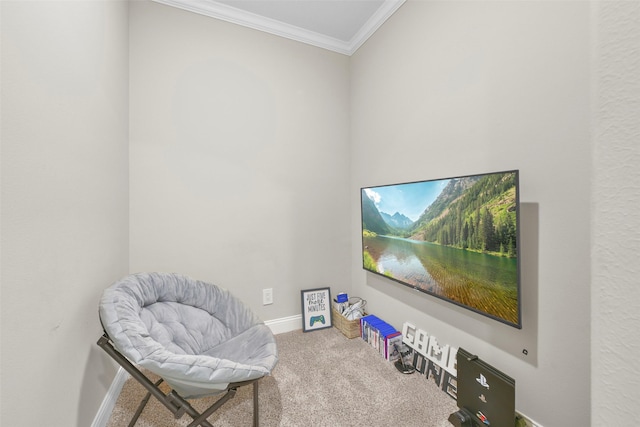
{"points": [[64, 203], [238, 157], [455, 88], [615, 228]]}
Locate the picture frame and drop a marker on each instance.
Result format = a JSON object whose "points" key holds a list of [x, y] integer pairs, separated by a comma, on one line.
{"points": [[316, 309]]}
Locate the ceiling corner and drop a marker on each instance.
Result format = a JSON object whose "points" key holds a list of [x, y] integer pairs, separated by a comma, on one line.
{"points": [[248, 19]]}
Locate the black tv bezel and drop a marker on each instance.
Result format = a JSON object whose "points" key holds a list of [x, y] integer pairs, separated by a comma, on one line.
{"points": [[518, 324]]}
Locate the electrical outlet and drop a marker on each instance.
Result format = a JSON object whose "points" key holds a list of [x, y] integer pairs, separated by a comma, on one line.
{"points": [[267, 296]]}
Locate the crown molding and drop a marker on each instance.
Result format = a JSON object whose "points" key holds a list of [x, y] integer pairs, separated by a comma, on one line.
{"points": [[247, 19], [385, 11]]}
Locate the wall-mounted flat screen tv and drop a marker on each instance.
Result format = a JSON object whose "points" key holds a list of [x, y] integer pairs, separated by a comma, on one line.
{"points": [[454, 238]]}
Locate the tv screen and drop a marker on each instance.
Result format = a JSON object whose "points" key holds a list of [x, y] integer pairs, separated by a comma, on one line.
{"points": [[454, 238]]}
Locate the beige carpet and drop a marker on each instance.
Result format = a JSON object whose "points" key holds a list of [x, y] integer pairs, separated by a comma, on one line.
{"points": [[322, 379]]}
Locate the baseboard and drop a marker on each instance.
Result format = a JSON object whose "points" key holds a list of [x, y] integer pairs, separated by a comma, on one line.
{"points": [[285, 324], [528, 421], [109, 402], [277, 326]]}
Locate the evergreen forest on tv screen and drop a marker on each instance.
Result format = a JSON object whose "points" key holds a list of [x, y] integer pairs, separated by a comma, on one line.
{"points": [[453, 238]]}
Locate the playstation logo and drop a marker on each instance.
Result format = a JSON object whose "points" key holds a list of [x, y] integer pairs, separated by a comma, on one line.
{"points": [[482, 380]]}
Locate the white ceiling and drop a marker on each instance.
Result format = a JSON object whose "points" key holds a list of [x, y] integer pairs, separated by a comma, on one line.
{"points": [[338, 25]]}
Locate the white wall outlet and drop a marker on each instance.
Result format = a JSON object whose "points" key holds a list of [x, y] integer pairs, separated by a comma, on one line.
{"points": [[267, 296]]}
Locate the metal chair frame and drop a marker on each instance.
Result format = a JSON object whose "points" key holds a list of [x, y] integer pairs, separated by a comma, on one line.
{"points": [[172, 400]]}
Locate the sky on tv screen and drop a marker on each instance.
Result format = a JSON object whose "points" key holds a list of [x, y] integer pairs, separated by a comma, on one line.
{"points": [[408, 199]]}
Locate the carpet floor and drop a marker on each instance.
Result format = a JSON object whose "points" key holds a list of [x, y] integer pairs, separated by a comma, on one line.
{"points": [[322, 379]]}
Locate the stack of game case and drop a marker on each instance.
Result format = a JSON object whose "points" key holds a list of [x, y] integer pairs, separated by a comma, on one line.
{"points": [[381, 336]]}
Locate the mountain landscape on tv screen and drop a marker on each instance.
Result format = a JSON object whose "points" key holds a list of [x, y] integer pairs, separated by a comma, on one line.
{"points": [[397, 220], [463, 247], [476, 212]]}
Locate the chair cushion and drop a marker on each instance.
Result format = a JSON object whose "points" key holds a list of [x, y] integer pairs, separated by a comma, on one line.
{"points": [[195, 335]]}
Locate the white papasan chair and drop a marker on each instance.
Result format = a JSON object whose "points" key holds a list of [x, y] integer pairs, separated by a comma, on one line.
{"points": [[197, 337]]}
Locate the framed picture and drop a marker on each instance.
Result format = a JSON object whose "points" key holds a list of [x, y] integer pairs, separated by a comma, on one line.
{"points": [[316, 309]]}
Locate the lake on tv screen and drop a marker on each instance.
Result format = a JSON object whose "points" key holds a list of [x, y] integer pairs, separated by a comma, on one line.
{"points": [[483, 282]]}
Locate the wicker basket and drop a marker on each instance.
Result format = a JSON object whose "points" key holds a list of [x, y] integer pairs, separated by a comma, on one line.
{"points": [[350, 328]]}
